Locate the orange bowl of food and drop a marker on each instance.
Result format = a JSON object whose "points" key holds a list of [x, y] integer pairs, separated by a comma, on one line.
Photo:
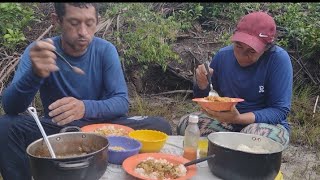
{"points": [[107, 129], [216, 103]]}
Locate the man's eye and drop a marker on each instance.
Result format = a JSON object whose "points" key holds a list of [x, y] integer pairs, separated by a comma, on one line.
{"points": [[89, 24], [74, 23]]}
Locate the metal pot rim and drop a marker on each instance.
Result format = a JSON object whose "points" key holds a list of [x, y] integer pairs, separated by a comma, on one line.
{"points": [[68, 158], [212, 135]]}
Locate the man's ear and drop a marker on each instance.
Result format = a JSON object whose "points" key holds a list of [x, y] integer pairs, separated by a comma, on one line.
{"points": [[55, 19]]}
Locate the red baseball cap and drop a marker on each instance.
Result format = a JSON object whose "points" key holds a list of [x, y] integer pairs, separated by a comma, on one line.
{"points": [[255, 29]]}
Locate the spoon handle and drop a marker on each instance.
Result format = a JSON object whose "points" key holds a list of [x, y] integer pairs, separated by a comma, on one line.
{"points": [[208, 73], [33, 113], [199, 160], [58, 54], [73, 68]]}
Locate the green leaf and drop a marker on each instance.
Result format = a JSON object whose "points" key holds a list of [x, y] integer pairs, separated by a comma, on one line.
{"points": [[6, 36], [10, 31]]}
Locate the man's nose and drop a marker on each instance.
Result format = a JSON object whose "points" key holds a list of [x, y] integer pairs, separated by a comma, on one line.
{"points": [[244, 53], [82, 31]]}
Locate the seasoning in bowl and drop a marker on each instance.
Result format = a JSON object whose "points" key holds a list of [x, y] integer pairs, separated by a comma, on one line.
{"points": [[117, 148]]}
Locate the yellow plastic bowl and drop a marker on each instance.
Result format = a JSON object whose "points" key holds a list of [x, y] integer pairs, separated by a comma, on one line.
{"points": [[151, 140], [279, 176]]}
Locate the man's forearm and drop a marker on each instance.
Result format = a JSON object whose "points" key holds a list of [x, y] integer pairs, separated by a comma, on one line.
{"points": [[18, 96], [107, 109]]}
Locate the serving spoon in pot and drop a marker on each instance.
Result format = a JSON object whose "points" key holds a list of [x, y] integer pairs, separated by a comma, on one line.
{"points": [[33, 113]]}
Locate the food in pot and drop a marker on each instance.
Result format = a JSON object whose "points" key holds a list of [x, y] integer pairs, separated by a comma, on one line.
{"points": [[253, 149], [160, 169], [111, 130], [218, 99], [117, 148]]}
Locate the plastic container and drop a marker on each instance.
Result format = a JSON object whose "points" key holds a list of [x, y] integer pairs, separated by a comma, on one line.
{"points": [[121, 147], [191, 138], [203, 147], [151, 140]]}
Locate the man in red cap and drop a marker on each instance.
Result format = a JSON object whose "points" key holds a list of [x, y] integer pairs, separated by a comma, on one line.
{"points": [[252, 68]]}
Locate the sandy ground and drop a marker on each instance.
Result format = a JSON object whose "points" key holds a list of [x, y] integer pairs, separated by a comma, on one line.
{"points": [[300, 162]]}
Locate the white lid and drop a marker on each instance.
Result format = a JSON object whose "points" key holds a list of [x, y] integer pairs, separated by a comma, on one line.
{"points": [[193, 119]]}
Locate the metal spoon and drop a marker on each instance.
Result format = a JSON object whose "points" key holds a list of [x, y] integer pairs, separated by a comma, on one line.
{"points": [[199, 160], [33, 113], [74, 69], [212, 91]]}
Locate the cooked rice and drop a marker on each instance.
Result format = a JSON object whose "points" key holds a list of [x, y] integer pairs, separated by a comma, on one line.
{"points": [[253, 149], [160, 169], [111, 130], [218, 99]]}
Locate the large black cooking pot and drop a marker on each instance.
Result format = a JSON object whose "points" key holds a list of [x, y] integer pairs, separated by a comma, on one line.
{"points": [[230, 163], [80, 156]]}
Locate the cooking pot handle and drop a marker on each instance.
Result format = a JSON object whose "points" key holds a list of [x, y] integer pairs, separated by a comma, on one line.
{"points": [[74, 164], [70, 129]]}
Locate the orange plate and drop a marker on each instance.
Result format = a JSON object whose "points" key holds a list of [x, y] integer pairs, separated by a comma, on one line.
{"points": [[217, 106], [92, 127], [130, 164]]}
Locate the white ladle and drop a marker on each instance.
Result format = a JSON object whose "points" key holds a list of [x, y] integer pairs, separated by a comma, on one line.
{"points": [[33, 113]]}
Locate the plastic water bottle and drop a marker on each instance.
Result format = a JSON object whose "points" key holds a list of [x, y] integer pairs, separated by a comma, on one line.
{"points": [[191, 138]]}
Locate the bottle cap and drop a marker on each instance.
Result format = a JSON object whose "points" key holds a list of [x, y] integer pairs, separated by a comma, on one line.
{"points": [[193, 119]]}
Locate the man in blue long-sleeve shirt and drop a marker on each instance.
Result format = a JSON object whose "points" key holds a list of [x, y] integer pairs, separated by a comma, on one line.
{"points": [[256, 70], [68, 99]]}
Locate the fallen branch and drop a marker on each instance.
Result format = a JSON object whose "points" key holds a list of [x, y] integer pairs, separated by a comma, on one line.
{"points": [[315, 106], [104, 25], [180, 75], [5, 69], [173, 92], [204, 43], [196, 59], [304, 69], [44, 33]]}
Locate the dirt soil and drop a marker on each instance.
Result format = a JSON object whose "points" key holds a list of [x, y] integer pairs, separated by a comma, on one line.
{"points": [[300, 162]]}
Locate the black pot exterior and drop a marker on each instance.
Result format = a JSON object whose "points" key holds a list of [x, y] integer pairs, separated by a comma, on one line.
{"points": [[90, 167], [230, 164]]}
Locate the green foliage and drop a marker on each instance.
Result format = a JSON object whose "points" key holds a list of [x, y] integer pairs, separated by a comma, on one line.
{"points": [[147, 35], [188, 15], [301, 21], [223, 14], [229, 11], [13, 18]]}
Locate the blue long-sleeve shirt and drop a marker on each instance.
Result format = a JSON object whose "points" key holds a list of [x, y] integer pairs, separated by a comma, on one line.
{"points": [[266, 86], [103, 88]]}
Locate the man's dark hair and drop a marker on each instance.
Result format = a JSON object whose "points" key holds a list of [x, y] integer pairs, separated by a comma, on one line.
{"points": [[60, 8]]}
